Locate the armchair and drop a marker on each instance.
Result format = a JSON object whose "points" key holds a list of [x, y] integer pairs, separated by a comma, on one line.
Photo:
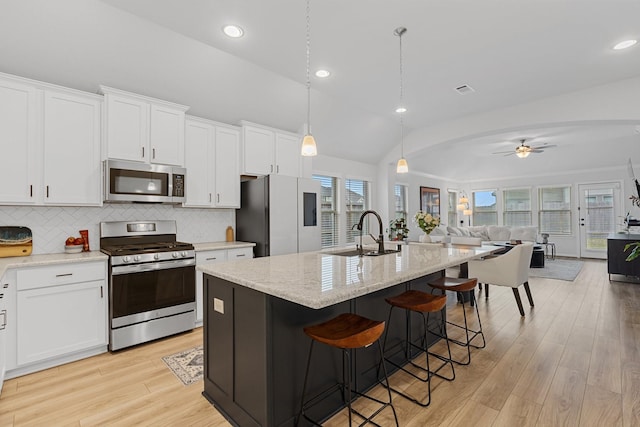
{"points": [[510, 269]]}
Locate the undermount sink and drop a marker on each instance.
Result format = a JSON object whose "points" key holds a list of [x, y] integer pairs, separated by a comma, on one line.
{"points": [[355, 252]]}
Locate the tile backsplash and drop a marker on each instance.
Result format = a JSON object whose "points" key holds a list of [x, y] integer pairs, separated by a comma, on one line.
{"points": [[52, 225]]}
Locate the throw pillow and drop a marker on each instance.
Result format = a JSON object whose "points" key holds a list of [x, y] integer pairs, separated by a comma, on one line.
{"points": [[454, 231]]}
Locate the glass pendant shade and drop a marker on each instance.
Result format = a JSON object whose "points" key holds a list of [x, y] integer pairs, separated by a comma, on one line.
{"points": [[461, 207], [466, 212], [402, 167], [463, 199], [309, 146]]}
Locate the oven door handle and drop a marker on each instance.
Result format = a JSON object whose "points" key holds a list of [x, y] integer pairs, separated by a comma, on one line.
{"points": [[152, 266]]}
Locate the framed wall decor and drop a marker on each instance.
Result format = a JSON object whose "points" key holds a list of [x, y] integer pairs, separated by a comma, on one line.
{"points": [[430, 200]]}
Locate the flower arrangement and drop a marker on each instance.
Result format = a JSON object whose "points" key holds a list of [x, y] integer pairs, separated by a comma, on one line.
{"points": [[398, 229], [426, 221]]}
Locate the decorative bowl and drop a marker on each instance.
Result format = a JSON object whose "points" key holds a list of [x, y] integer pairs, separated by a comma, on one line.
{"points": [[73, 249]]}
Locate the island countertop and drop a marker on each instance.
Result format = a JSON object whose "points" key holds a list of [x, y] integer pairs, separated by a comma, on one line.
{"points": [[320, 279]]}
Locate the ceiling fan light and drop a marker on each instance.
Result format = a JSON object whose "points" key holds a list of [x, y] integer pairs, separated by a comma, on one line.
{"points": [[522, 153], [309, 146], [402, 166]]}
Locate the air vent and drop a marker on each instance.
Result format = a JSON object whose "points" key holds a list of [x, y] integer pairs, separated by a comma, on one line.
{"points": [[464, 89]]}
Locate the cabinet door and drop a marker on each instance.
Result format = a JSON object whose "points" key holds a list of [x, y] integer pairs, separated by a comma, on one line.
{"points": [[167, 136], [4, 318], [198, 161], [72, 172], [288, 154], [57, 320], [18, 130], [227, 168], [203, 258], [127, 128], [258, 146]]}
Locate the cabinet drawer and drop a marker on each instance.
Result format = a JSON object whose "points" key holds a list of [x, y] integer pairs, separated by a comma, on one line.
{"points": [[239, 253], [62, 274], [211, 256]]}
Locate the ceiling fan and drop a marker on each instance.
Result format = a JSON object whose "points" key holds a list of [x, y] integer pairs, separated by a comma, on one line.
{"points": [[523, 150]]}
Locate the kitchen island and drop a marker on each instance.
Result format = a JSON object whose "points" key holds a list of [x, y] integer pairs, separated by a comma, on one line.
{"points": [[255, 349]]}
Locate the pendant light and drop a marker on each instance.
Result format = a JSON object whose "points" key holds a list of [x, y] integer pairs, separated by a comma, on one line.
{"points": [[402, 166], [308, 142]]}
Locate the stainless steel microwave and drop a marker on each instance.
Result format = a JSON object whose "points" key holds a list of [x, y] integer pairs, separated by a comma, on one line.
{"points": [[126, 181]]}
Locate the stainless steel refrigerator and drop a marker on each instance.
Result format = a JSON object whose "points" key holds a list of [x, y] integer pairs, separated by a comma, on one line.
{"points": [[281, 214]]}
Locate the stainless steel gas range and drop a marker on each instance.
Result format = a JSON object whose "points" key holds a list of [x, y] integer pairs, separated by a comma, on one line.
{"points": [[151, 281]]}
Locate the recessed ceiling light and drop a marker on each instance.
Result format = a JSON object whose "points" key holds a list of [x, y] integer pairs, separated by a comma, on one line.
{"points": [[625, 44], [323, 73], [233, 31], [401, 110]]}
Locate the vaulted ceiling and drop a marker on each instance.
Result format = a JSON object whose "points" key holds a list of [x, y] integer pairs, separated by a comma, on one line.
{"points": [[509, 52]]}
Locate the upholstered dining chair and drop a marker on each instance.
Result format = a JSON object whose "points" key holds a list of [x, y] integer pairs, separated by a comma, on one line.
{"points": [[510, 269]]}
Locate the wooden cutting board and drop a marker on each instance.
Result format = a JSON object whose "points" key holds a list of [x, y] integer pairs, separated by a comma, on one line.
{"points": [[15, 241]]}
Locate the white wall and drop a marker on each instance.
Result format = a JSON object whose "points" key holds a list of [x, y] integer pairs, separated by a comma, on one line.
{"points": [[52, 225]]}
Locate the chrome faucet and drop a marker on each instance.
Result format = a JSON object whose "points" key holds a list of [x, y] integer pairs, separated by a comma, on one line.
{"points": [[380, 239]]}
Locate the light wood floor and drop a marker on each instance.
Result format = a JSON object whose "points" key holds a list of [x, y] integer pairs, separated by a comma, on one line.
{"points": [[573, 360]]}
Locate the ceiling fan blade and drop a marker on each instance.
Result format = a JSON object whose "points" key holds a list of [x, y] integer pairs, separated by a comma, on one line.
{"points": [[541, 147], [504, 152]]}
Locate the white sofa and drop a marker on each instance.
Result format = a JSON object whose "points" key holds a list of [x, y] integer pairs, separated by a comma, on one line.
{"points": [[487, 234]]}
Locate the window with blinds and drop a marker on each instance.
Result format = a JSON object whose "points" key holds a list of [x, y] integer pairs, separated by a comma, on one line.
{"points": [[357, 201], [401, 201], [485, 209], [555, 210], [328, 210], [517, 207], [452, 208]]}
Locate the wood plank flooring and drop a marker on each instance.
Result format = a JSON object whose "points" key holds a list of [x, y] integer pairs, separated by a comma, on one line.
{"points": [[574, 360]]}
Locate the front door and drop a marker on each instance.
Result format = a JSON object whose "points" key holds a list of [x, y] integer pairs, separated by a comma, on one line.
{"points": [[599, 208]]}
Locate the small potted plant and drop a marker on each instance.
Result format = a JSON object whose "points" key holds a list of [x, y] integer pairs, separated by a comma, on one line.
{"points": [[398, 229]]}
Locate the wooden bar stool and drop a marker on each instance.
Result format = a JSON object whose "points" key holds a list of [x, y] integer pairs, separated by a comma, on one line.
{"points": [[346, 331], [414, 301], [460, 285]]}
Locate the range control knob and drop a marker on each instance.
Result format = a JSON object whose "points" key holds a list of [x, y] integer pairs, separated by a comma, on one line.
{"points": [[175, 254], [156, 256], [126, 258], [136, 258], [183, 253]]}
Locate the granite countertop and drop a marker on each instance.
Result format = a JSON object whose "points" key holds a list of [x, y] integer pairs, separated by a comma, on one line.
{"points": [[49, 259], [320, 279], [212, 246]]}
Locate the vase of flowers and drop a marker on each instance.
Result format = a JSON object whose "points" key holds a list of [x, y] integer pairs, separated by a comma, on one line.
{"points": [[427, 223]]}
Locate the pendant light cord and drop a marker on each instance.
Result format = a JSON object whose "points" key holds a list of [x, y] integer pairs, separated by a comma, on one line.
{"points": [[308, 67], [400, 33]]}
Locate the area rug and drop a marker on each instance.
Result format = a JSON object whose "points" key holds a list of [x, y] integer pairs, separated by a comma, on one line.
{"points": [[186, 365], [561, 269]]}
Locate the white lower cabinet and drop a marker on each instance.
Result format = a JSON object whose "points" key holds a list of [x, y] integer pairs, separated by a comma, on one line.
{"points": [[7, 319], [212, 256], [61, 310]]}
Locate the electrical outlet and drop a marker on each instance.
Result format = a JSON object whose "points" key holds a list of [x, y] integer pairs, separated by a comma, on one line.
{"points": [[218, 305]]}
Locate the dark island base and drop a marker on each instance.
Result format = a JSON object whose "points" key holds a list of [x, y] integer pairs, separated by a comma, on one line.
{"points": [[255, 353]]}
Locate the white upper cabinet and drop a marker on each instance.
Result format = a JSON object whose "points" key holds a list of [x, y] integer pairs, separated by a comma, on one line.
{"points": [[212, 162], [267, 151], [18, 142], [49, 144], [71, 134], [143, 129], [288, 154], [227, 167]]}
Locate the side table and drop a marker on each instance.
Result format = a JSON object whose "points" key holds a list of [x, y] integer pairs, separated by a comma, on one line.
{"points": [[546, 249]]}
